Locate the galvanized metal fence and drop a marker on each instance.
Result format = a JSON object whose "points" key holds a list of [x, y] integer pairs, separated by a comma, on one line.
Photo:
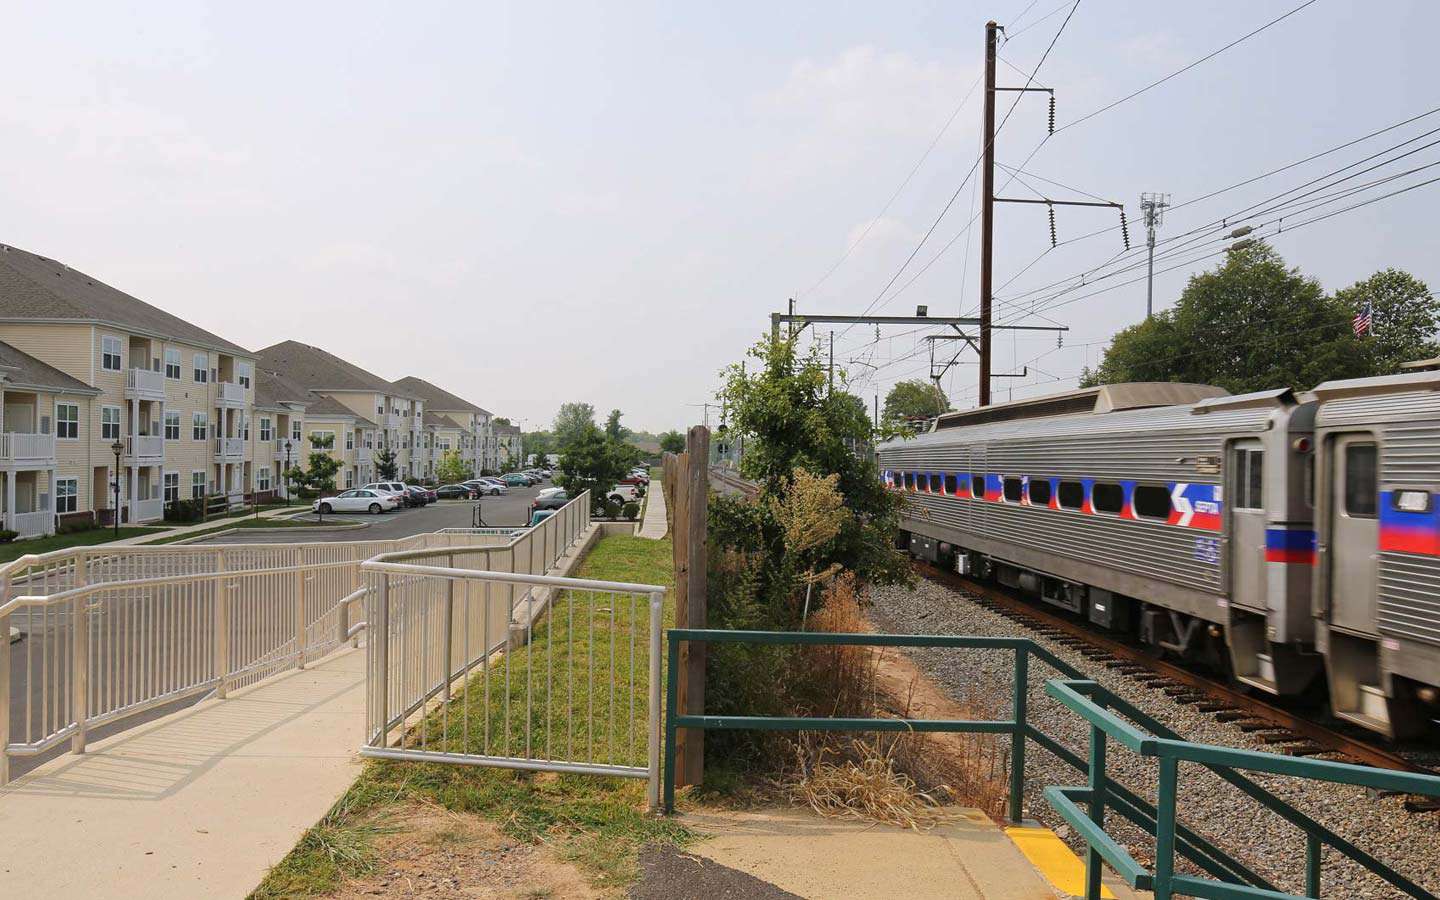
{"points": [[475, 662], [1085, 808], [110, 633]]}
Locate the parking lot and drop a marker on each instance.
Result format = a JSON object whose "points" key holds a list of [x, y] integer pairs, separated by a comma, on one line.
{"points": [[512, 509]]}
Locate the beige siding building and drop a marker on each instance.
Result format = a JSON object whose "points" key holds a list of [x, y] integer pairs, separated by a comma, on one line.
{"points": [[172, 401], [476, 444]]}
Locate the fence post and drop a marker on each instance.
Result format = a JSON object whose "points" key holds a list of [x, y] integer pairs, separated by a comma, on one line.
{"points": [[1017, 736], [299, 617], [657, 621], [79, 670], [1099, 785], [697, 490], [446, 655], [222, 627], [1165, 829], [5, 687], [379, 630], [671, 705], [1312, 864]]}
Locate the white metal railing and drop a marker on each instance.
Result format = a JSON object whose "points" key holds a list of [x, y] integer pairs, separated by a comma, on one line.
{"points": [[31, 524], [144, 381], [157, 624], [230, 392], [145, 446], [477, 657], [148, 510], [17, 446], [363, 454], [230, 447]]}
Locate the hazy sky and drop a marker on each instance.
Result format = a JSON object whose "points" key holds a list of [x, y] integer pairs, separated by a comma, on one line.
{"points": [[535, 203]]}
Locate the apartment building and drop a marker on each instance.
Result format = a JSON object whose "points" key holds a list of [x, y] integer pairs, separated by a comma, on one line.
{"points": [[477, 445], [159, 401], [360, 402], [508, 442]]}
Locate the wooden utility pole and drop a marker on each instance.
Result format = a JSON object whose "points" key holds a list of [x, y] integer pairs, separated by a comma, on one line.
{"points": [[687, 480], [987, 211]]}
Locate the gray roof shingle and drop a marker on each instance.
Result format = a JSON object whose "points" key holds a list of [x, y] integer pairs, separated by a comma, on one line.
{"points": [[319, 370], [436, 397], [22, 369], [34, 287]]}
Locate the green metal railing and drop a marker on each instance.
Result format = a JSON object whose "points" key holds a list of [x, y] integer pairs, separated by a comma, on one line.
{"points": [[1110, 718]]}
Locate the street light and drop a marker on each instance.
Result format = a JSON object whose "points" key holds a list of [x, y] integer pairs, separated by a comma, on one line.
{"points": [[117, 448], [288, 447]]}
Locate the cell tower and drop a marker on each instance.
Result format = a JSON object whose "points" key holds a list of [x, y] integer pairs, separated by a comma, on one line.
{"points": [[1152, 206]]}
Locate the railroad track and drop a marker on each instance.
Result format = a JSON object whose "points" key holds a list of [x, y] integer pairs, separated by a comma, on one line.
{"points": [[1286, 731]]}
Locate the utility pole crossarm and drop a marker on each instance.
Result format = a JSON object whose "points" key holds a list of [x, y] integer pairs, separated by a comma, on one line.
{"points": [[1105, 203]]}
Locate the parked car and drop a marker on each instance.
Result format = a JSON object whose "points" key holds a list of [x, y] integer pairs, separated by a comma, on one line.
{"points": [[552, 501], [642, 474], [395, 488], [515, 479], [419, 496], [358, 500], [540, 515], [623, 493], [550, 491], [636, 480], [488, 486], [457, 491]]}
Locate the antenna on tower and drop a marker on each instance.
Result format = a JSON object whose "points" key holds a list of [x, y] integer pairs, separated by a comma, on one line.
{"points": [[1152, 206]]}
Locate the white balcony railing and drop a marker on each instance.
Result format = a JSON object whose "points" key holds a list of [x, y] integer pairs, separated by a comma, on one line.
{"points": [[16, 446], [32, 524], [230, 447], [230, 392], [147, 510], [364, 454], [145, 446], [390, 420], [145, 384]]}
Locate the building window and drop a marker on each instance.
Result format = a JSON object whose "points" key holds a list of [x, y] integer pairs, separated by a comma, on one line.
{"points": [[109, 423], [67, 492], [244, 427], [172, 427], [349, 478], [265, 433], [295, 431], [172, 486], [349, 440], [199, 426], [67, 421], [197, 485], [322, 440], [1107, 498], [242, 374], [110, 353], [201, 364], [262, 479], [172, 364]]}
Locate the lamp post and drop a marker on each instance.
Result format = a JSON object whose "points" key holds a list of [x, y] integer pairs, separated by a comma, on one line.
{"points": [[288, 447], [117, 448]]}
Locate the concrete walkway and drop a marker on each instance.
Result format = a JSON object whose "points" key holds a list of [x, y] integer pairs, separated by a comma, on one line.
{"points": [[653, 526], [197, 804]]}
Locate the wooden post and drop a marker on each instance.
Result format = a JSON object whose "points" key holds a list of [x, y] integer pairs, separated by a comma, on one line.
{"points": [[690, 580]]}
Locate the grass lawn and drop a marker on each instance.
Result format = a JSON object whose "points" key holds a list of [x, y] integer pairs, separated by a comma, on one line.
{"points": [[251, 522], [86, 538], [600, 824]]}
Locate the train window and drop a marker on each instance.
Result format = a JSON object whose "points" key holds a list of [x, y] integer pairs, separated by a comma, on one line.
{"points": [[1071, 494], [1040, 492], [909, 481], [950, 485], [1107, 498], [1247, 477], [1012, 490], [977, 487], [934, 483], [1361, 483], [1152, 502]]}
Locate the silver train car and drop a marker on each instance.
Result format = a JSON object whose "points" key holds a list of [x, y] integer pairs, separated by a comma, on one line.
{"points": [[1232, 529]]}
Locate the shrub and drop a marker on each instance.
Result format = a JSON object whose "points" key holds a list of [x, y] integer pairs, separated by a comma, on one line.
{"points": [[612, 509], [630, 510], [6, 535], [184, 510]]}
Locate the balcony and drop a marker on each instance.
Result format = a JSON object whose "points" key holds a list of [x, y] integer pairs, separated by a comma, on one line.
{"points": [[147, 510], [143, 384], [18, 448], [144, 449], [363, 455], [230, 394], [391, 420], [229, 449]]}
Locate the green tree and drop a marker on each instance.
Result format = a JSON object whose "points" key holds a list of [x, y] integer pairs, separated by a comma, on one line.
{"points": [[385, 465], [1404, 317], [613, 429], [572, 422], [593, 462], [452, 468], [913, 399], [319, 477], [537, 444], [501, 420], [672, 442], [1248, 325]]}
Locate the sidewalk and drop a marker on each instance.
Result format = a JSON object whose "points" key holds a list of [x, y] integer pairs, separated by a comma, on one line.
{"points": [[197, 804], [653, 526]]}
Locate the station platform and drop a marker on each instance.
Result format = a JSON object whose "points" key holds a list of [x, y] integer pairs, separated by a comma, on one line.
{"points": [[969, 857]]}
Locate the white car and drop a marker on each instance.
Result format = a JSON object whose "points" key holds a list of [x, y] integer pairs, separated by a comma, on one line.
{"points": [[549, 492], [358, 500], [395, 489], [487, 486], [624, 493]]}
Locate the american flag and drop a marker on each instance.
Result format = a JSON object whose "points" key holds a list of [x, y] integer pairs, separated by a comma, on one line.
{"points": [[1361, 322]]}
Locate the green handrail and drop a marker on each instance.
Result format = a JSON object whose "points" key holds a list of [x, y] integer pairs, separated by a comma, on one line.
{"points": [[1110, 718]]}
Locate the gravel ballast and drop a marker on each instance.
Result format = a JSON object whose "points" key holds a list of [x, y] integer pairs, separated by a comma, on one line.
{"points": [[1255, 836]]}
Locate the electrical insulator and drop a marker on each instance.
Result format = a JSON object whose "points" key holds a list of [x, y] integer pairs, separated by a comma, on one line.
{"points": [[1124, 228], [1053, 245], [1052, 112]]}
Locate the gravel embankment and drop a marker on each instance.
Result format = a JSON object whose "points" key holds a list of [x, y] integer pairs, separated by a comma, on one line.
{"points": [[1257, 837]]}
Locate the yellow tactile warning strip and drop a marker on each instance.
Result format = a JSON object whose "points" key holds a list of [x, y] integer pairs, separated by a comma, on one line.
{"points": [[1053, 859]]}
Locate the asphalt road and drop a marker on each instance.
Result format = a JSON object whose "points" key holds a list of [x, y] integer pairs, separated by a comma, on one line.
{"points": [[512, 509]]}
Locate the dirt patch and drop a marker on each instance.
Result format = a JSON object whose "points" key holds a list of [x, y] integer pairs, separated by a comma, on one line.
{"points": [[668, 873], [425, 851]]}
